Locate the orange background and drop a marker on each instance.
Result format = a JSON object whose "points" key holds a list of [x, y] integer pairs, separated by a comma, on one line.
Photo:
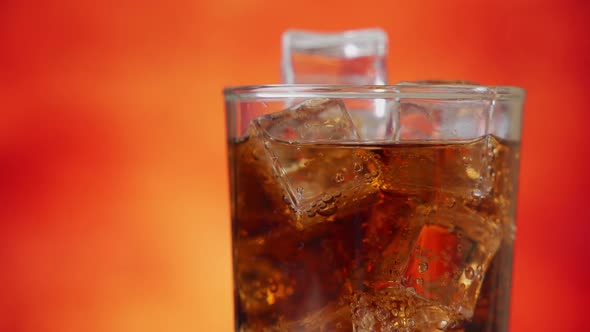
{"points": [[113, 188]]}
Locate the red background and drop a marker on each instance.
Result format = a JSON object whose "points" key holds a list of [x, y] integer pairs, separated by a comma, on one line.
{"points": [[113, 188]]}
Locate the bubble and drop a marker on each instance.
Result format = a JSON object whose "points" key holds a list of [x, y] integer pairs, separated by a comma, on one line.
{"points": [[300, 191], [423, 267], [339, 177], [477, 194], [419, 281], [327, 211], [451, 203], [358, 167], [328, 198], [469, 273], [459, 248]]}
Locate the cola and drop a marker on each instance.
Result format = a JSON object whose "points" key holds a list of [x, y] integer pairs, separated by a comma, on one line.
{"points": [[381, 236]]}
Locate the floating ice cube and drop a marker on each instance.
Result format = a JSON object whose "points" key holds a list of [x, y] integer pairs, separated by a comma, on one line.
{"points": [[320, 179], [464, 170], [424, 119], [314, 120], [355, 57]]}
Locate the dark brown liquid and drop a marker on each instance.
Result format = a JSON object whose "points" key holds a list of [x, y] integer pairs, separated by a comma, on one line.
{"points": [[422, 244]]}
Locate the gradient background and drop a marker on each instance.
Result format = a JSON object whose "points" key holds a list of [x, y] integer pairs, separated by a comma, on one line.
{"points": [[113, 188]]}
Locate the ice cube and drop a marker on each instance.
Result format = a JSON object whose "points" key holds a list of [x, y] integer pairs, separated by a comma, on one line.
{"points": [[446, 121], [291, 278], [437, 120], [355, 57], [388, 239], [258, 204], [398, 310], [372, 118], [321, 180], [463, 170], [333, 317], [436, 252], [262, 286], [433, 250], [314, 120], [449, 257]]}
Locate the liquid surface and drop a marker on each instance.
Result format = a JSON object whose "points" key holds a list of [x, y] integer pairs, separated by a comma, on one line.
{"points": [[392, 237]]}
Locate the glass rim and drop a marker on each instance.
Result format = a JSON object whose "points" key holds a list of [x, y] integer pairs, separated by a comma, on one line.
{"points": [[418, 90]]}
